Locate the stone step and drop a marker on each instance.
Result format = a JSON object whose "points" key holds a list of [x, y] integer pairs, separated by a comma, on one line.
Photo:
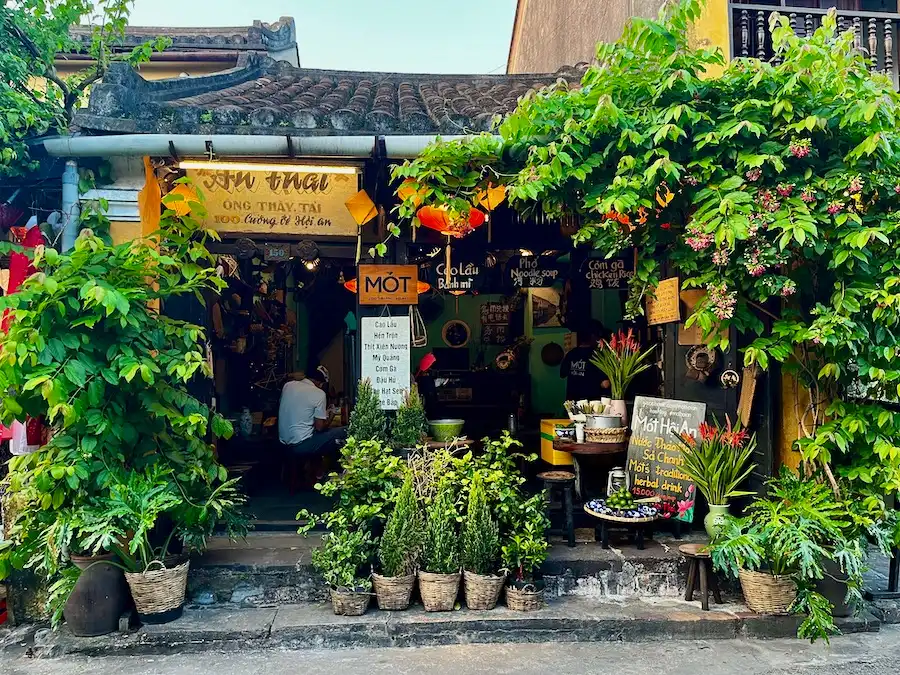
{"points": [[274, 569], [313, 625]]}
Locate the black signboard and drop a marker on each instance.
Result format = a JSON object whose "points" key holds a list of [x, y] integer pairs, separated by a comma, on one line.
{"points": [[496, 318], [529, 271], [654, 456], [464, 277], [609, 272]]}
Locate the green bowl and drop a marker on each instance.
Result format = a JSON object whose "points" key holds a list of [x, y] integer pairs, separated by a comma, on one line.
{"points": [[446, 430]]}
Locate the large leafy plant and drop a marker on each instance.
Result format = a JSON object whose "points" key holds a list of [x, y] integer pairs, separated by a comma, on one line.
{"points": [[774, 188], [90, 353], [794, 532], [341, 557]]}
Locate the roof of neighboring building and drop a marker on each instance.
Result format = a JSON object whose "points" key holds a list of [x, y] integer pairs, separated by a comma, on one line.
{"points": [[262, 96], [261, 37]]}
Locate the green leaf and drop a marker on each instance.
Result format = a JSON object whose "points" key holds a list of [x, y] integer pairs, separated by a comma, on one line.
{"points": [[75, 373]]}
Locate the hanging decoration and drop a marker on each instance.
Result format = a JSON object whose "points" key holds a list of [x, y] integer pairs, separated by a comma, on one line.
{"points": [[363, 209], [149, 199], [450, 223], [489, 199]]}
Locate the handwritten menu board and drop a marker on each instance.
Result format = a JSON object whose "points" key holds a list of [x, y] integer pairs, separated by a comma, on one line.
{"points": [[609, 272], [654, 456], [531, 271], [495, 323], [386, 357], [666, 307]]}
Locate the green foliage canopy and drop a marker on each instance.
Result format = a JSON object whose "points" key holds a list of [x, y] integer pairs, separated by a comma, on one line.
{"points": [[774, 187]]}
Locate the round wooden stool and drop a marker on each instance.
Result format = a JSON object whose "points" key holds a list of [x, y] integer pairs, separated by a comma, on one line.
{"points": [[564, 481], [700, 568]]}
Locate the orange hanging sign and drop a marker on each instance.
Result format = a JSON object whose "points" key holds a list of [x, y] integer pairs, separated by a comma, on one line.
{"points": [[388, 285]]}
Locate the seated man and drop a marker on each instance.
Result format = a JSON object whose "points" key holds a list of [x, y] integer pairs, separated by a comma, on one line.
{"points": [[303, 419]]}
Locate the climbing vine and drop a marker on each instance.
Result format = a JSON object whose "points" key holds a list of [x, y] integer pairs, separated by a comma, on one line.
{"points": [[774, 187]]}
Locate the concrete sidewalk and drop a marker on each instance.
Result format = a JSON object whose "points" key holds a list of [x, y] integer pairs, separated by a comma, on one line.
{"points": [[311, 626]]}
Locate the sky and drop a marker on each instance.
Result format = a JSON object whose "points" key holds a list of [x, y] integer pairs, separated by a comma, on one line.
{"points": [[433, 36]]}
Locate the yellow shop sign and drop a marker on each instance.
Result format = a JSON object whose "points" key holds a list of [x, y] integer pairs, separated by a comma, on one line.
{"points": [[276, 201]]}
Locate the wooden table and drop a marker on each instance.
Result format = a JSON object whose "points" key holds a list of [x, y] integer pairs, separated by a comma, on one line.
{"points": [[587, 450]]}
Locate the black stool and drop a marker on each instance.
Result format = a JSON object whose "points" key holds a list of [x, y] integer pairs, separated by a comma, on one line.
{"points": [[564, 481], [700, 565]]}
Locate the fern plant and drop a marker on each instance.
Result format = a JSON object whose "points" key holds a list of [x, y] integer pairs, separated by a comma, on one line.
{"points": [[401, 543], [368, 421], [480, 537], [441, 547]]}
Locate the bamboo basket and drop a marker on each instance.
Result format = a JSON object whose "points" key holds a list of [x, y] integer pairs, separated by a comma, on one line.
{"points": [[393, 593], [483, 590], [523, 599], [766, 593], [158, 591], [349, 603], [606, 435], [438, 591]]}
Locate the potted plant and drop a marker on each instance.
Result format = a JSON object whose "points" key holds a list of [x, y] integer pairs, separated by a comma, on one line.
{"points": [[340, 557], [411, 424], [399, 551], [780, 550], [367, 420], [621, 359], [718, 464], [152, 522], [480, 550], [90, 353], [523, 554], [439, 578]]}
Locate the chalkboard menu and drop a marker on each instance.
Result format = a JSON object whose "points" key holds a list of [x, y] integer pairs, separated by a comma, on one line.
{"points": [[654, 456], [609, 272], [464, 277], [532, 271], [495, 322]]}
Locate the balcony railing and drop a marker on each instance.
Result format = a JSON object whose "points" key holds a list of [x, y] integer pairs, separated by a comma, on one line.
{"points": [[874, 32]]}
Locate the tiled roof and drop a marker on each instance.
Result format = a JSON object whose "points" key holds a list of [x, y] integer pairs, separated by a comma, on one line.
{"points": [[260, 36], [262, 96]]}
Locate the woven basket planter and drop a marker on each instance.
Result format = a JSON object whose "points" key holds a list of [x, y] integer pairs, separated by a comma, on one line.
{"points": [[159, 593], [610, 435], [438, 591], [482, 590], [766, 593], [349, 603], [524, 599], [393, 593]]}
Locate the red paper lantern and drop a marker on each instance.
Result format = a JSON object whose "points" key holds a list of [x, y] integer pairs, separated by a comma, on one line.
{"points": [[450, 223]]}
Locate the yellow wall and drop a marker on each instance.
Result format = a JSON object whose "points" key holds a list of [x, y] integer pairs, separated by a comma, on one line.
{"points": [[711, 30], [158, 70]]}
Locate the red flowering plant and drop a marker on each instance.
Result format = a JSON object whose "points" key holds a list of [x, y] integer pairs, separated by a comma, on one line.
{"points": [[719, 461], [622, 360]]}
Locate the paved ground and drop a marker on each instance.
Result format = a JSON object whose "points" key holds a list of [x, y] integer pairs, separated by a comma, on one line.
{"points": [[870, 654]]}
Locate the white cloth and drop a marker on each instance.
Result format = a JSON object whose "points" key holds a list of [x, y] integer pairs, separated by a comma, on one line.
{"points": [[302, 403]]}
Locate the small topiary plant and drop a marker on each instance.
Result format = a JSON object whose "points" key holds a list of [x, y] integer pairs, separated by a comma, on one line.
{"points": [[401, 543], [368, 421], [480, 537], [411, 423], [441, 548]]}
